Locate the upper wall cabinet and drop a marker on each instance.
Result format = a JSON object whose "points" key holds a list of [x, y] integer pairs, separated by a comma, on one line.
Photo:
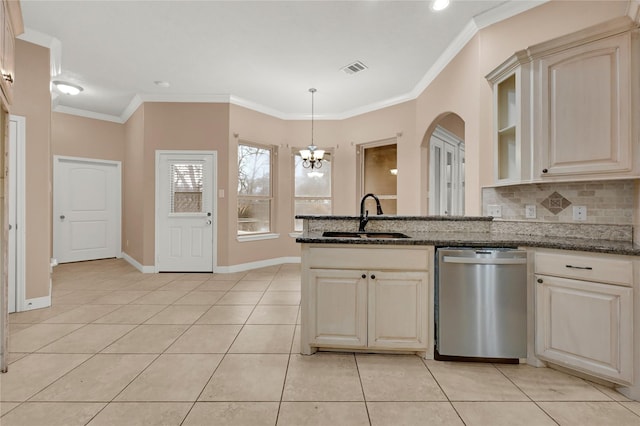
{"points": [[10, 26], [583, 106], [512, 112], [580, 120]]}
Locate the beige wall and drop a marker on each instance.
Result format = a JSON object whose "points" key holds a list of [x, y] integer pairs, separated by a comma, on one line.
{"points": [[251, 126], [166, 126], [133, 186], [395, 122], [76, 136], [32, 100], [461, 89]]}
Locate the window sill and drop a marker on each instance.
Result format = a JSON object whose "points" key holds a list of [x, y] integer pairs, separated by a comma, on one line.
{"points": [[295, 234], [257, 237]]}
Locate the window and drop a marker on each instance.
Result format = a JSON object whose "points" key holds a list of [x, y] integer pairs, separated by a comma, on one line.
{"points": [[379, 175], [312, 192], [186, 187], [255, 189]]}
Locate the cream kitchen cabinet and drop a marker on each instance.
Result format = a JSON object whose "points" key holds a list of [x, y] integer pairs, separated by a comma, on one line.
{"points": [[11, 23], [338, 312], [512, 133], [564, 109], [584, 313], [374, 298], [583, 110], [397, 310]]}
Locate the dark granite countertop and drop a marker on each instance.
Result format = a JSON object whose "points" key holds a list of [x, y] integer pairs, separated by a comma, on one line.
{"points": [[401, 218], [482, 239]]}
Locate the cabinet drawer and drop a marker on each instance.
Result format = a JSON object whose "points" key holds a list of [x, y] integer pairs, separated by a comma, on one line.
{"points": [[386, 257], [597, 268]]}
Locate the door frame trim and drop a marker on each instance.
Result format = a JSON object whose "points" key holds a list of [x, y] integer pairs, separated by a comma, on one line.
{"points": [[57, 159], [20, 237], [445, 136], [214, 202]]}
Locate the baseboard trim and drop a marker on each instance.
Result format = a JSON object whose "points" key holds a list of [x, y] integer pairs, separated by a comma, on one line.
{"points": [[140, 267], [241, 267], [36, 303], [255, 265]]}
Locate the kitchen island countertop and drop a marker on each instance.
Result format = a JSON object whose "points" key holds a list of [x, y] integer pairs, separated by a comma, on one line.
{"points": [[435, 232]]}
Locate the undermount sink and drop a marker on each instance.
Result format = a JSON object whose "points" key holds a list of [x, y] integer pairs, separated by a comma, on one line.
{"points": [[383, 235]]}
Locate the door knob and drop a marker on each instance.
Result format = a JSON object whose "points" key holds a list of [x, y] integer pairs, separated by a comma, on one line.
{"points": [[62, 217], [209, 222]]}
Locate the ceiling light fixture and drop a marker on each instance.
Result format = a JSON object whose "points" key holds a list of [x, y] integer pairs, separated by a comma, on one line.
{"points": [[67, 88], [312, 156], [439, 4]]}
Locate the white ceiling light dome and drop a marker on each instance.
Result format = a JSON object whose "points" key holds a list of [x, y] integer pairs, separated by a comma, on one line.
{"points": [[439, 4], [67, 88]]}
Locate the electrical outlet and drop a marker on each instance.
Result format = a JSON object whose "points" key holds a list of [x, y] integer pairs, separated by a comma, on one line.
{"points": [[530, 211], [494, 210], [579, 212]]}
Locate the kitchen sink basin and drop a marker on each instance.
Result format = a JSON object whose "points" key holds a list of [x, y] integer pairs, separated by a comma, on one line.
{"points": [[382, 235]]}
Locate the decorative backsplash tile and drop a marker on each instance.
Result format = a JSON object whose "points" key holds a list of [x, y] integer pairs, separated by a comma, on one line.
{"points": [[607, 202], [555, 203]]}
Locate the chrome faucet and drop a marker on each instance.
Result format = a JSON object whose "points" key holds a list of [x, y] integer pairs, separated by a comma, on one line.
{"points": [[364, 214]]}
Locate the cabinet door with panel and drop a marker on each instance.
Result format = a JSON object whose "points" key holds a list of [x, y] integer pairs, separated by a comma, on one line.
{"points": [[583, 104], [398, 310], [338, 308], [586, 326], [7, 46]]}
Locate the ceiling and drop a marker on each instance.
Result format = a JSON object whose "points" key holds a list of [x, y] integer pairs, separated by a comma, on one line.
{"points": [[261, 54]]}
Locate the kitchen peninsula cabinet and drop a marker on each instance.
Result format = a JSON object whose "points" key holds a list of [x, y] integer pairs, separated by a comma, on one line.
{"points": [[585, 313], [375, 298]]}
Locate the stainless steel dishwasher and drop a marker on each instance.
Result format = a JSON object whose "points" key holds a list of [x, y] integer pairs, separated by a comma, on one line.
{"points": [[481, 303]]}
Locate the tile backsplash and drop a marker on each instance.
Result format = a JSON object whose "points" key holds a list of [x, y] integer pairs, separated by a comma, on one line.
{"points": [[606, 201]]}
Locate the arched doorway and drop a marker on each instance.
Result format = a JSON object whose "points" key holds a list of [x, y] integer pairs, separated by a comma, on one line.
{"points": [[444, 141]]}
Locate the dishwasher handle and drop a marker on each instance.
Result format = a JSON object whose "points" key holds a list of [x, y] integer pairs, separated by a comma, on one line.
{"points": [[481, 261]]}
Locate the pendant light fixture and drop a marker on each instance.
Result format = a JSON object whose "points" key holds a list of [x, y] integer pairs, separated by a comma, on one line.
{"points": [[312, 156]]}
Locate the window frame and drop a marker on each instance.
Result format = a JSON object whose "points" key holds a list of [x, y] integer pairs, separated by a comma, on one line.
{"points": [[296, 152], [360, 167], [247, 236]]}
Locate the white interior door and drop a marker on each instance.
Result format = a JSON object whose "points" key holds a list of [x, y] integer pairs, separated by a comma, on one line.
{"points": [[185, 183], [86, 209], [15, 211]]}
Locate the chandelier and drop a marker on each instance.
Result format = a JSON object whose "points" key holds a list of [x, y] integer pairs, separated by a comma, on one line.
{"points": [[312, 156]]}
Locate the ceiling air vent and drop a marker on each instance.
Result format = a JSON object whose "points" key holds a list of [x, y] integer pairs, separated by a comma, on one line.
{"points": [[355, 67]]}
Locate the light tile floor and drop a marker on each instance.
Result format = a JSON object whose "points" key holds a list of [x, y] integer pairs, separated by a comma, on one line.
{"points": [[123, 348]]}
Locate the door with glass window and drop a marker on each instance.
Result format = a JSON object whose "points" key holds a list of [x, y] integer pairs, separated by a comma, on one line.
{"points": [[446, 174], [185, 211]]}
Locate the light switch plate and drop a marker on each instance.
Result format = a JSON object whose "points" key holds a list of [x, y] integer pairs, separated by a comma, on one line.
{"points": [[530, 211], [579, 212], [494, 210]]}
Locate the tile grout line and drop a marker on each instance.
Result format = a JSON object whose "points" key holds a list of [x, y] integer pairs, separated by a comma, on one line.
{"points": [[364, 395], [526, 394], [443, 391]]}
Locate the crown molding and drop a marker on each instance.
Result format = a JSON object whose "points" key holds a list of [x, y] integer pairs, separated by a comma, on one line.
{"points": [[87, 114], [490, 17], [633, 11]]}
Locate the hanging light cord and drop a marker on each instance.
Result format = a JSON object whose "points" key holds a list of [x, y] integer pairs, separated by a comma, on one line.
{"points": [[313, 91]]}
